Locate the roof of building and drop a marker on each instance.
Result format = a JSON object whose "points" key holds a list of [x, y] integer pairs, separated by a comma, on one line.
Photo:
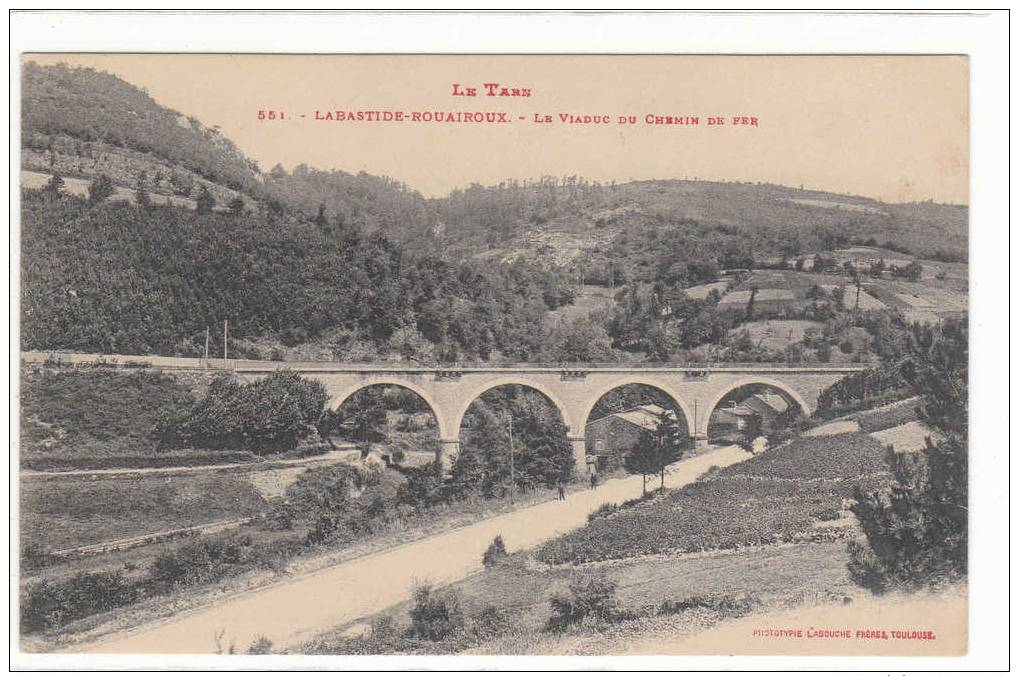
{"points": [[775, 402], [646, 416], [739, 410]]}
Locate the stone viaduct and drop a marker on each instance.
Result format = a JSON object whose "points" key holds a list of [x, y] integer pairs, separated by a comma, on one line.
{"points": [[574, 390]]}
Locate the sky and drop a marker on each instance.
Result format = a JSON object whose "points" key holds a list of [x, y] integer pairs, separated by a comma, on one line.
{"points": [[893, 128]]}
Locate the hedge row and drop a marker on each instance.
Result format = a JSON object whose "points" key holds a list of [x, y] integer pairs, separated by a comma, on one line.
{"points": [[43, 463]]}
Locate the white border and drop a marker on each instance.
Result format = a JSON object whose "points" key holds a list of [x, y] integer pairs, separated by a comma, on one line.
{"points": [[983, 36]]}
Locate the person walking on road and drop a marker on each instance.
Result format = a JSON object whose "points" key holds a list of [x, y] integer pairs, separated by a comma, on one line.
{"points": [[594, 480], [562, 489]]}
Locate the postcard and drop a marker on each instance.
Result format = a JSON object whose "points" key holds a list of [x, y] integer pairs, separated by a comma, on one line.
{"points": [[493, 354]]}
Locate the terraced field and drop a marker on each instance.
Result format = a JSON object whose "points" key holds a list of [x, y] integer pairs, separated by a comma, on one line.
{"points": [[779, 496]]}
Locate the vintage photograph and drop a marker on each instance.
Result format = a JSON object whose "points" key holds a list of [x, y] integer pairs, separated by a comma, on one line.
{"points": [[493, 354]]}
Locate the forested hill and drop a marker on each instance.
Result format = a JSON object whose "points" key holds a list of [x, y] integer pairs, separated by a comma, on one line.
{"points": [[114, 277]]}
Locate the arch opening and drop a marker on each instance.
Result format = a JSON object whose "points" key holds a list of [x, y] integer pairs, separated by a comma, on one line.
{"points": [[618, 420], [390, 422], [759, 406], [512, 438]]}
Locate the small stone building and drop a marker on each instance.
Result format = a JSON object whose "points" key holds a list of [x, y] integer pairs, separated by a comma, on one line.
{"points": [[611, 438]]}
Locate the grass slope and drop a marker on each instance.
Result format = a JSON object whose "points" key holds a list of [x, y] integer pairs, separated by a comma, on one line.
{"points": [[92, 413], [62, 513]]}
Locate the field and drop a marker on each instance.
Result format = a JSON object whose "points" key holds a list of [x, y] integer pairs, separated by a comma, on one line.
{"points": [[890, 415], [589, 299], [59, 513], [776, 334], [701, 292], [907, 437], [779, 496]]}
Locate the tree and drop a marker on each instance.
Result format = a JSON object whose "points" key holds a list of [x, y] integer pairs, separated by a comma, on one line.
{"points": [[141, 194], [670, 443], [917, 530], [541, 451], [752, 429], [269, 415], [913, 271], [205, 201], [654, 450], [643, 459], [236, 206], [320, 219], [363, 416], [100, 189], [750, 303]]}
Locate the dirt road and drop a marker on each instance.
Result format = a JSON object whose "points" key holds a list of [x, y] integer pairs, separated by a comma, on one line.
{"points": [[297, 609]]}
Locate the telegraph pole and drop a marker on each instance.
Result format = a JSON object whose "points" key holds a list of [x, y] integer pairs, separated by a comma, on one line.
{"points": [[695, 424], [513, 479], [206, 345], [225, 329]]}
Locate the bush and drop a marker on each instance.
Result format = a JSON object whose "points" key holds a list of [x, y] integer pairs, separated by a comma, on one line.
{"points": [[269, 415], [424, 486], [199, 561], [726, 605], [43, 463], [49, 603], [260, 646], [916, 530], [585, 597], [487, 624], [435, 615], [604, 510], [495, 552]]}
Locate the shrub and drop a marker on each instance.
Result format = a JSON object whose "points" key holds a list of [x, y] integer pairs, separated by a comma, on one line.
{"points": [[916, 530], [435, 615], [495, 552], [726, 605], [199, 561], [42, 463], [424, 486], [260, 646], [604, 510], [269, 415], [585, 597], [827, 514], [487, 624], [53, 603]]}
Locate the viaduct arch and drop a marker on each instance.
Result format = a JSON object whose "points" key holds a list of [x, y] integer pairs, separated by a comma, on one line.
{"points": [[573, 389]]}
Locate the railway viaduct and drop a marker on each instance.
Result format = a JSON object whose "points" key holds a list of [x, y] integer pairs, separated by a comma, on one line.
{"points": [[574, 389]]}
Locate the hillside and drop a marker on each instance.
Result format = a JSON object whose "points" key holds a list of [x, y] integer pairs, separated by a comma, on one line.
{"points": [[642, 228], [314, 264], [83, 113], [80, 123]]}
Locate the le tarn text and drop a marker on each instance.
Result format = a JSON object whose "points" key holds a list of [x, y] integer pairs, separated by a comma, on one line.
{"points": [[491, 89]]}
